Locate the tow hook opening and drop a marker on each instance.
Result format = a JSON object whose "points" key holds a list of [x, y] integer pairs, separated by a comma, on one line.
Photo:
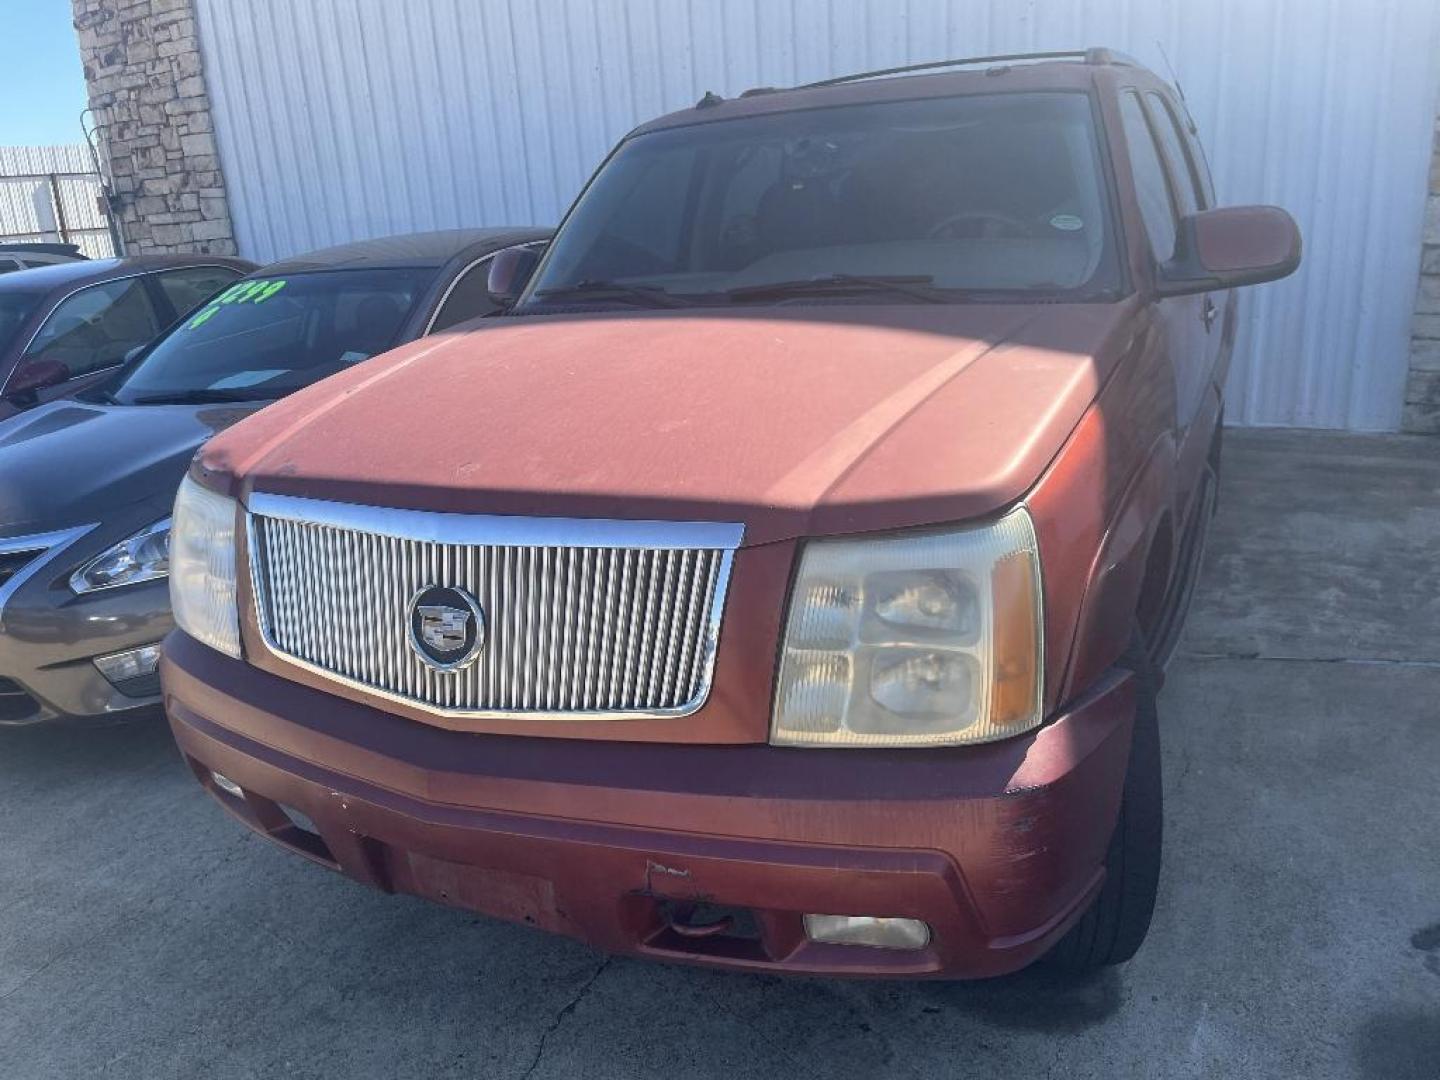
{"points": [[697, 920]]}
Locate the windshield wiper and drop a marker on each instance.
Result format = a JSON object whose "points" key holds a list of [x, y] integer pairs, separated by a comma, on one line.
{"points": [[198, 397], [613, 290], [916, 286]]}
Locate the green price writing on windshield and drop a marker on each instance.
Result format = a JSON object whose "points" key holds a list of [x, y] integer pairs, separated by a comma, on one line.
{"points": [[256, 291]]}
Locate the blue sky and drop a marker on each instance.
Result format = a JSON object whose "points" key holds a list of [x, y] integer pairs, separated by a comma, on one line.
{"points": [[44, 85]]}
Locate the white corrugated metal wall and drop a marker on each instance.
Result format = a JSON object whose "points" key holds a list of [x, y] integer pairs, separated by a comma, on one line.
{"points": [[339, 119], [31, 209]]}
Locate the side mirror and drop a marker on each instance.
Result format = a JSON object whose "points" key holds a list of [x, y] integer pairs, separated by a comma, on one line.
{"points": [[510, 271], [33, 375], [1230, 247]]}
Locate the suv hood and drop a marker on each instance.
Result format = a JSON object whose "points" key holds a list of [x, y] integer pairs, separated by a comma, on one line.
{"points": [[69, 463], [795, 421]]}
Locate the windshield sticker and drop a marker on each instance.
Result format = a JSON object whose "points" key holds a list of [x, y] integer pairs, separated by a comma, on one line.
{"points": [[353, 357], [1066, 222], [245, 378], [256, 291]]}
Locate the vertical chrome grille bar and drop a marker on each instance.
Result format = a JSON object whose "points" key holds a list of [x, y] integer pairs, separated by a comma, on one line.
{"points": [[679, 606]]}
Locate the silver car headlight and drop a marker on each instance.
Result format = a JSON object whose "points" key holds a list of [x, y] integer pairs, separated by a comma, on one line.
{"points": [[142, 557], [926, 639], [202, 567]]}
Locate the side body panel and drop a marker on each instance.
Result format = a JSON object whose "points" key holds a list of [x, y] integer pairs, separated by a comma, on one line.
{"points": [[1097, 510], [1130, 473]]}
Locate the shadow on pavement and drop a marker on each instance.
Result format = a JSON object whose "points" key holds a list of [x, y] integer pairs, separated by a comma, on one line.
{"points": [[1400, 1045], [1036, 999], [59, 753]]}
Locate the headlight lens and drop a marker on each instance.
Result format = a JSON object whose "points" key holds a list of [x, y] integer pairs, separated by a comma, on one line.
{"points": [[202, 567], [925, 640], [142, 557]]}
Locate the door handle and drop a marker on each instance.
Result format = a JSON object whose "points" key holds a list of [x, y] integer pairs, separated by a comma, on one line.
{"points": [[1208, 312]]}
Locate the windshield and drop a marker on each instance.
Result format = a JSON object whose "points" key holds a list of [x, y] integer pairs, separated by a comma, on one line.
{"points": [[15, 308], [990, 192], [265, 337]]}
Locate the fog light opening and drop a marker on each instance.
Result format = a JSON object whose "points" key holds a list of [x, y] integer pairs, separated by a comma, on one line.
{"points": [[872, 931], [131, 664], [300, 820], [225, 784]]}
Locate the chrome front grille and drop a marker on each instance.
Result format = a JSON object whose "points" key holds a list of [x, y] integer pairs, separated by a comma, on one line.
{"points": [[12, 562], [21, 557], [583, 618]]}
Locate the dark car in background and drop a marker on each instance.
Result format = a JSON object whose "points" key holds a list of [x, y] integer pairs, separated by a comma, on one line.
{"points": [[86, 485], [68, 325], [28, 256]]}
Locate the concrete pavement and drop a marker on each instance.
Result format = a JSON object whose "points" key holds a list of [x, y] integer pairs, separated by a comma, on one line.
{"points": [[145, 934]]}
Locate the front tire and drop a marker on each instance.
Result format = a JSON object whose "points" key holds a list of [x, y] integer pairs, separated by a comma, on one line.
{"points": [[1114, 927]]}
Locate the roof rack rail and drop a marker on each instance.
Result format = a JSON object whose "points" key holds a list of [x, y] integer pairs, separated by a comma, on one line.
{"points": [[1089, 56]]}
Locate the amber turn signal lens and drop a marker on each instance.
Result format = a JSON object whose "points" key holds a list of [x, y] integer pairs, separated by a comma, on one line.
{"points": [[1015, 679]]}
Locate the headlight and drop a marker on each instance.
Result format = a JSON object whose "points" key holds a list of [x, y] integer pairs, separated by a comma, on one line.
{"points": [[142, 557], [929, 639], [202, 567]]}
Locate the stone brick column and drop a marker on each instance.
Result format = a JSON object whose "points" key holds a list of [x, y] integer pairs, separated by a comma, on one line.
{"points": [[143, 70], [1422, 390]]}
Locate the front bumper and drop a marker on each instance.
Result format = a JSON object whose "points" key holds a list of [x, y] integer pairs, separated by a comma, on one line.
{"points": [[49, 638], [998, 848]]}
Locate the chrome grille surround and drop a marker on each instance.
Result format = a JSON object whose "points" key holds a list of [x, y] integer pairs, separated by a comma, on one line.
{"points": [[589, 619], [25, 556]]}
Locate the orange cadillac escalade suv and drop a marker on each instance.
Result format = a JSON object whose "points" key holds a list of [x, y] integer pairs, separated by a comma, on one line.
{"points": [[782, 582]]}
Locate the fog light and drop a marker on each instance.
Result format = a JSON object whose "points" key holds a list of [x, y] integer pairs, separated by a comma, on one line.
{"points": [[225, 784], [872, 930], [132, 664]]}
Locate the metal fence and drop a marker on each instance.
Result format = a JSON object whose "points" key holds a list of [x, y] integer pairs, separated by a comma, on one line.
{"points": [[355, 118], [51, 194]]}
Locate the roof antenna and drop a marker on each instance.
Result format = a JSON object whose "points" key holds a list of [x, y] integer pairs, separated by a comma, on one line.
{"points": [[1178, 88]]}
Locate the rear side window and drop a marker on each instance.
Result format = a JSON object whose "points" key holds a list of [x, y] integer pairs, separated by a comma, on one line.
{"points": [[15, 308], [96, 327], [189, 288], [1157, 207]]}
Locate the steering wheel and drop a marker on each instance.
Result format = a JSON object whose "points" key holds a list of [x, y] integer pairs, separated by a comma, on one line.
{"points": [[950, 228]]}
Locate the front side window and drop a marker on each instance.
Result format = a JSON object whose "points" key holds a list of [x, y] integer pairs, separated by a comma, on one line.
{"points": [[265, 337], [1199, 165], [983, 193], [1186, 182], [1157, 207], [97, 326], [469, 298], [191, 287]]}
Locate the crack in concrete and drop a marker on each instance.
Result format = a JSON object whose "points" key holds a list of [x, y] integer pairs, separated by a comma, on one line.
{"points": [[560, 1016], [146, 907], [1374, 661]]}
